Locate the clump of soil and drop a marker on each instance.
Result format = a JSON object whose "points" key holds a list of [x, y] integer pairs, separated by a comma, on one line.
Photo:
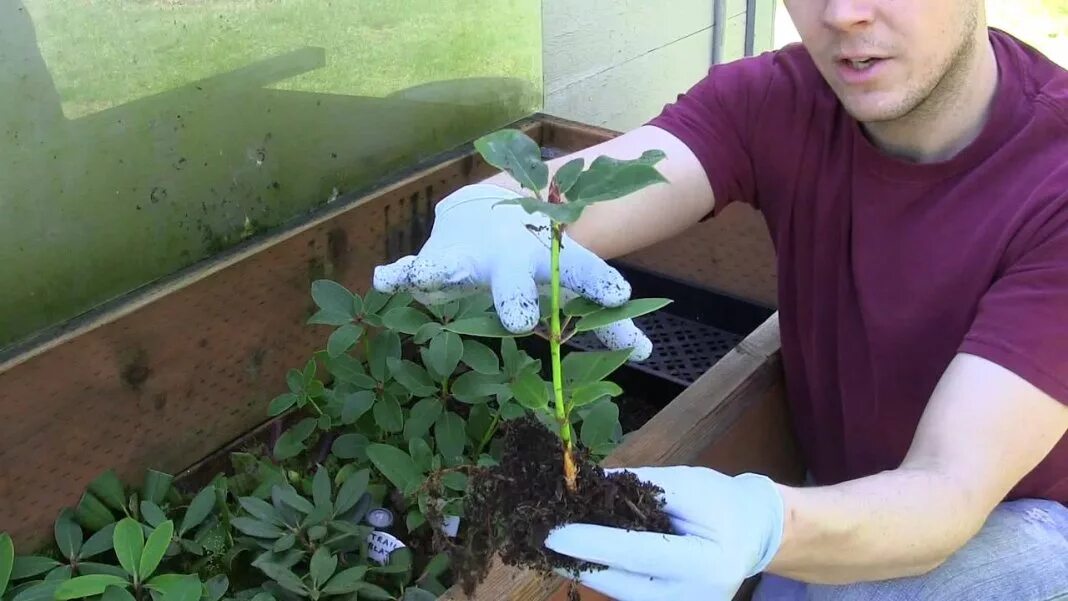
{"points": [[512, 507]]}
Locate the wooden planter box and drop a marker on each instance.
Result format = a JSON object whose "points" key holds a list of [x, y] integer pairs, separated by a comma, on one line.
{"points": [[178, 371]]}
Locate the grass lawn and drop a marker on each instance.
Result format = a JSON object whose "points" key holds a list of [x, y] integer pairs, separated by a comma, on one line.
{"points": [[106, 52], [1041, 23]]}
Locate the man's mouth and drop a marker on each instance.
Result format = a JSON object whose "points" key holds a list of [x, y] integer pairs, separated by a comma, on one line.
{"points": [[860, 64]]}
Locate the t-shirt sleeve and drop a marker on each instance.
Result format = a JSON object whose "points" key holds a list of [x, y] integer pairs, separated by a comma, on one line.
{"points": [[1022, 320], [716, 120]]}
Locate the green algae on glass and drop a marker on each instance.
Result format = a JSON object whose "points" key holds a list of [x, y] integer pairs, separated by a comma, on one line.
{"points": [[142, 136]]}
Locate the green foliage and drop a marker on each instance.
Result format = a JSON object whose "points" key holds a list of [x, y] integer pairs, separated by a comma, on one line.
{"points": [[400, 403]]}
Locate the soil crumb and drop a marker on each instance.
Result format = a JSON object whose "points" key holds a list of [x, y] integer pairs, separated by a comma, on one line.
{"points": [[513, 506]]}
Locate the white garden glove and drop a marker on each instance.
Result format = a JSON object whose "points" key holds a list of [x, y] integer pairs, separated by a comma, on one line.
{"points": [[729, 528], [475, 246]]}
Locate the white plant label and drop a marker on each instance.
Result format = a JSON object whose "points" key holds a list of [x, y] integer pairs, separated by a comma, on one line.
{"points": [[380, 545], [451, 525]]}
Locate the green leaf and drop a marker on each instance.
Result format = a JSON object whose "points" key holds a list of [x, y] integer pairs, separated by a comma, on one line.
{"points": [[342, 339], [609, 178], [513, 152], [179, 588], [281, 403], [414, 519], [476, 388], [388, 414], [486, 326], [629, 310], [285, 543], [350, 446], [560, 213], [91, 513], [322, 567], [7, 560], [346, 581], [116, 593], [530, 390], [580, 307], [373, 592], [412, 376], [285, 578], [592, 366], [90, 567], [155, 548], [108, 488], [353, 488], [385, 345], [99, 542], [415, 593], [291, 497], [480, 357], [599, 424], [24, 566], [322, 492], [349, 369], [421, 454], [396, 465], [449, 433], [356, 404], [567, 174], [595, 391], [291, 442], [332, 296], [436, 566], [256, 528], [510, 411], [156, 486], [64, 572], [199, 509], [216, 587], [426, 332], [261, 510], [295, 381], [129, 540], [455, 481], [327, 317], [445, 352], [87, 586], [405, 319], [68, 535], [422, 415]]}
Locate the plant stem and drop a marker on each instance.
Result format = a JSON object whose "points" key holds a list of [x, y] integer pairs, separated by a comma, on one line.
{"points": [[562, 415], [488, 435]]}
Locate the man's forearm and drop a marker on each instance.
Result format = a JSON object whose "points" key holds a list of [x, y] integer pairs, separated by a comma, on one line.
{"points": [[896, 523], [655, 213]]}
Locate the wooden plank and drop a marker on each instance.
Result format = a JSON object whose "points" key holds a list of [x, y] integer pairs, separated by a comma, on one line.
{"points": [[733, 418]]}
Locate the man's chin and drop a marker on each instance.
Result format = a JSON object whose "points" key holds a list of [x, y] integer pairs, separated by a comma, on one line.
{"points": [[871, 108]]}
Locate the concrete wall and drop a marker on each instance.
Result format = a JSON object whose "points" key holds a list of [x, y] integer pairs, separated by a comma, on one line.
{"points": [[615, 63]]}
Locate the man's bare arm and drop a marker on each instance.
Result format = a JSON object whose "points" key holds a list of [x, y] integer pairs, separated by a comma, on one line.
{"points": [[984, 429], [615, 228]]}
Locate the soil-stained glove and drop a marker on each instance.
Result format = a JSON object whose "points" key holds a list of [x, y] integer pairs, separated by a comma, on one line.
{"points": [[729, 528], [475, 246]]}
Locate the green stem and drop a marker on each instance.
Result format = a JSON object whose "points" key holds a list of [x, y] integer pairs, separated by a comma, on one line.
{"points": [[562, 413], [316, 407], [489, 434]]}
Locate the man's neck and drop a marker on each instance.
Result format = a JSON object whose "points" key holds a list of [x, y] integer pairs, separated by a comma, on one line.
{"points": [[951, 118]]}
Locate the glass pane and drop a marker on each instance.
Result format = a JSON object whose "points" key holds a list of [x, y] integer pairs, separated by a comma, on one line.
{"points": [[140, 136]]}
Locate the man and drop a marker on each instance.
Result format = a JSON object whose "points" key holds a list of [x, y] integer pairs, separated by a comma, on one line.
{"points": [[912, 166]]}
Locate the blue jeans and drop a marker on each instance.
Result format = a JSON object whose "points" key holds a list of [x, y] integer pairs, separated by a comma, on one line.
{"points": [[1020, 554]]}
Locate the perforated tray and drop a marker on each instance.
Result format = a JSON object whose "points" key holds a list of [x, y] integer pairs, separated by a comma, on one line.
{"points": [[691, 334]]}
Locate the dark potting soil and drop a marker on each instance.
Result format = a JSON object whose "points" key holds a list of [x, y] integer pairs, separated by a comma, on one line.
{"points": [[514, 506]]}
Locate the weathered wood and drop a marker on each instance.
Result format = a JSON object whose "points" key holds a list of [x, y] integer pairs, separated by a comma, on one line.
{"points": [[732, 419]]}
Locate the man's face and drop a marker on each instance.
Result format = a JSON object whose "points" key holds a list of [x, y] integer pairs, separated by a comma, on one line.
{"points": [[885, 58]]}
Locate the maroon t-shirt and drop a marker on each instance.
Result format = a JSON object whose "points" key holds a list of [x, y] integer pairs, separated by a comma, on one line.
{"points": [[887, 268]]}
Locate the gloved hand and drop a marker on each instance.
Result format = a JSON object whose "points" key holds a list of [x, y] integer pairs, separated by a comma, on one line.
{"points": [[475, 246], [729, 528]]}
